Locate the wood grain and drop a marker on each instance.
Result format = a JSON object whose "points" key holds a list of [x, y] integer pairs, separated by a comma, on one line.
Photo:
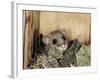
{"points": [[30, 34]]}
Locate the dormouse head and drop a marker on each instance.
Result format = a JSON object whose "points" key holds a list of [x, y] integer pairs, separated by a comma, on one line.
{"points": [[57, 40]]}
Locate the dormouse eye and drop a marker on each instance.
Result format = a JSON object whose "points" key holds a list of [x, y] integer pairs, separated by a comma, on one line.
{"points": [[54, 41]]}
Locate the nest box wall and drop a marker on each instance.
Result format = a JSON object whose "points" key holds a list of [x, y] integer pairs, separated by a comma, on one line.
{"points": [[31, 34]]}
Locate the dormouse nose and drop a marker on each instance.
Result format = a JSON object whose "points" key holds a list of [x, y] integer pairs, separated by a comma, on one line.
{"points": [[54, 41]]}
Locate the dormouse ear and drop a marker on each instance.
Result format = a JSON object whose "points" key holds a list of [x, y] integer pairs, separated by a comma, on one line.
{"points": [[46, 40]]}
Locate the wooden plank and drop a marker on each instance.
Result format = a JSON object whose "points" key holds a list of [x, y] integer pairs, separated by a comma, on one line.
{"points": [[31, 25]]}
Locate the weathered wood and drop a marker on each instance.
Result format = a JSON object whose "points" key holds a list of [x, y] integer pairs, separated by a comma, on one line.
{"points": [[31, 32]]}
